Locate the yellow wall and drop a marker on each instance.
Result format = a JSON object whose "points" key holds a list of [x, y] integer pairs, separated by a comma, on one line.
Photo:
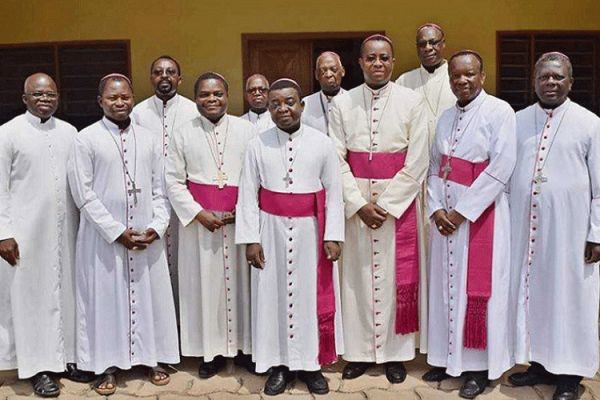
{"points": [[205, 35]]}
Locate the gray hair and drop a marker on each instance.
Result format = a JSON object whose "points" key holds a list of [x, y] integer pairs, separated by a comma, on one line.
{"points": [[554, 56]]}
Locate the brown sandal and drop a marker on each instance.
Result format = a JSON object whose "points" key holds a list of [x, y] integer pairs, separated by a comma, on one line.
{"points": [[158, 376], [104, 380]]}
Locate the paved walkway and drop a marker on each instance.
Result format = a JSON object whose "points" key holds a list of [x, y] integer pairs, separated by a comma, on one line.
{"points": [[236, 384]]}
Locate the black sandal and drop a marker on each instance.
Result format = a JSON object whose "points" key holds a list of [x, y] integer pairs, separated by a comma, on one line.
{"points": [[44, 386], [104, 380]]}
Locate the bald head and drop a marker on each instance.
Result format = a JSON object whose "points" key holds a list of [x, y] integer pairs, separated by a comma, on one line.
{"points": [[40, 95], [329, 72], [257, 88]]}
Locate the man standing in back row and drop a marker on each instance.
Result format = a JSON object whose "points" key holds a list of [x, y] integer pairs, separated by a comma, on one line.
{"points": [[257, 88]]}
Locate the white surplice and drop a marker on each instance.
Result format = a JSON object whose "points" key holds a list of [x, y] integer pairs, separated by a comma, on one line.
{"points": [[125, 308], [556, 291], [284, 293], [393, 117], [161, 119], [214, 277], [485, 130], [37, 297], [317, 107], [262, 121]]}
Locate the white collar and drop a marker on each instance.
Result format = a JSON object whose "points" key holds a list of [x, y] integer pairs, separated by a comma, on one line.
{"points": [[439, 71], [36, 122], [206, 122], [382, 91], [160, 104], [114, 128], [476, 102]]}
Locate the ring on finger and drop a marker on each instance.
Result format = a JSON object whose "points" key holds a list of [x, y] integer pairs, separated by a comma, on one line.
{"points": [[440, 228]]}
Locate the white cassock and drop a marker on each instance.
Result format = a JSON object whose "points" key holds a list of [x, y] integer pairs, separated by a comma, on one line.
{"points": [[125, 308], [261, 121], [161, 119], [557, 292], [389, 120], [214, 277], [488, 126], [284, 294], [317, 107], [37, 297]]}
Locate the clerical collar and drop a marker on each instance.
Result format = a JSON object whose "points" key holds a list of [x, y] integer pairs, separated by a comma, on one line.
{"points": [[554, 111], [207, 122], [378, 92], [439, 71], [160, 104], [37, 121], [114, 128], [292, 136], [474, 103], [327, 98]]}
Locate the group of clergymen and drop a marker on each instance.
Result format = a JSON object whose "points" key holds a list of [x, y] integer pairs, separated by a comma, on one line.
{"points": [[469, 233]]}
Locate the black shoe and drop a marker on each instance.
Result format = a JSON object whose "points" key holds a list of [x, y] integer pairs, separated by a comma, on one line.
{"points": [[211, 368], [44, 386], [566, 391], [315, 381], [435, 374], [355, 369], [395, 372], [278, 381], [535, 375], [78, 375], [474, 385]]}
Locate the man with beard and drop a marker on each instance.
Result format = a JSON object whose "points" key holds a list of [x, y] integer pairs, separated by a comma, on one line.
{"points": [[290, 214], [125, 308], [257, 87], [161, 114], [38, 224], [329, 72], [471, 162], [555, 207], [380, 133], [203, 170]]}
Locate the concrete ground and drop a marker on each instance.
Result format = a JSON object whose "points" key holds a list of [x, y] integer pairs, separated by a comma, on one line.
{"points": [[237, 384]]}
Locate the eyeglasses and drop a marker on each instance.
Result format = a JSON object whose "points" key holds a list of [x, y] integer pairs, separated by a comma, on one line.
{"points": [[432, 42], [39, 95], [555, 78], [260, 90]]}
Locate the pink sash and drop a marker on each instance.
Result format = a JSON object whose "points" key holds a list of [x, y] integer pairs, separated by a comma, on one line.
{"points": [[309, 205], [386, 166], [479, 264], [210, 197]]}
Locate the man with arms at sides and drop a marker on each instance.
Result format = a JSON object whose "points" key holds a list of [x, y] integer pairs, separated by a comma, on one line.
{"points": [[470, 330], [290, 214], [38, 224], [257, 87], [555, 207], [203, 171], [329, 72], [161, 114], [125, 308]]}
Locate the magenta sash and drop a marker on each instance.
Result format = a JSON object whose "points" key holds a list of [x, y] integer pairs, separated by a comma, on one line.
{"points": [[386, 166], [210, 197], [479, 264], [311, 205]]}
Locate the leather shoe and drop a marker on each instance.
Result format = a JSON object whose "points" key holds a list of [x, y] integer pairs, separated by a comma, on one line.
{"points": [[355, 369], [395, 372], [44, 386], [533, 376], [435, 374], [566, 391], [78, 375], [474, 385], [278, 381], [315, 381], [245, 360], [211, 368]]}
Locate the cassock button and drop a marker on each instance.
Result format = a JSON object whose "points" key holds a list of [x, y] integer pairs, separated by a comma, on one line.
{"points": [[130, 258], [291, 336], [290, 239], [290, 149], [290, 159], [291, 326]]}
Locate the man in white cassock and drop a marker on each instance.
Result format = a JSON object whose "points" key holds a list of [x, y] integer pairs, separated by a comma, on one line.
{"points": [[555, 212], [203, 171], [257, 87], [290, 214], [470, 328], [38, 224], [329, 72], [380, 133], [161, 114], [125, 308]]}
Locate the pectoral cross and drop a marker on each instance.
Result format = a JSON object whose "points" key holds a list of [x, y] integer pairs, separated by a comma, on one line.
{"points": [[287, 179], [539, 179], [221, 179], [134, 191], [446, 171]]}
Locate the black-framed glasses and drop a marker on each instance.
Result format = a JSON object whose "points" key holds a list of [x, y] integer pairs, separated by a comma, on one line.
{"points": [[432, 42], [39, 95]]}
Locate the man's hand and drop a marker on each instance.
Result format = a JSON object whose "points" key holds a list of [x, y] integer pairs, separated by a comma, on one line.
{"points": [[372, 215], [456, 218], [444, 226], [129, 238], [9, 251], [255, 255], [209, 220], [592, 252], [333, 250], [228, 218], [147, 237]]}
